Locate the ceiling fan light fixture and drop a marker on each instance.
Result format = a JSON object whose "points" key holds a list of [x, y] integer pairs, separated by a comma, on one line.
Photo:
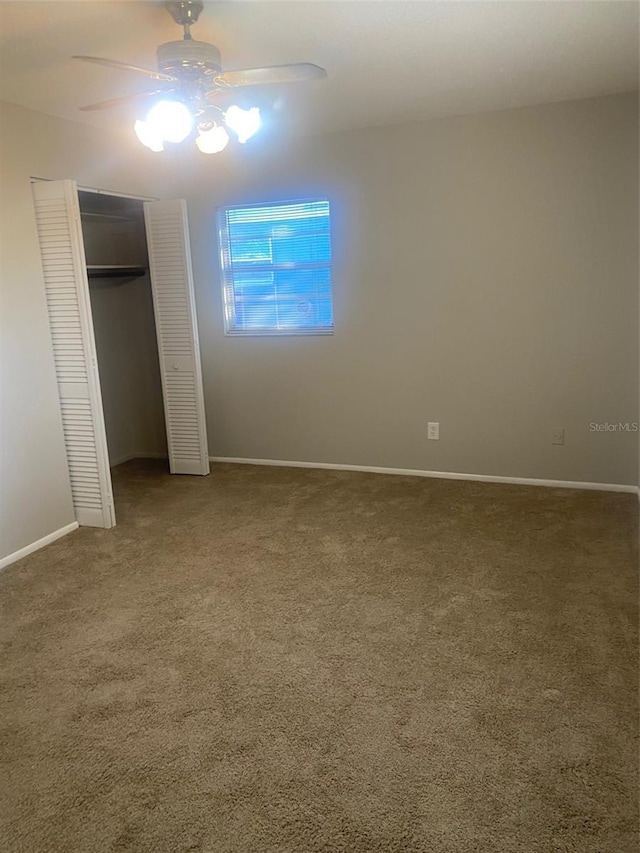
{"points": [[190, 78], [148, 136], [244, 123], [171, 121], [212, 141]]}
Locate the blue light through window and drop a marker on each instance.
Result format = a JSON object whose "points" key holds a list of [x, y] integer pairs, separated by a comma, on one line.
{"points": [[276, 268]]}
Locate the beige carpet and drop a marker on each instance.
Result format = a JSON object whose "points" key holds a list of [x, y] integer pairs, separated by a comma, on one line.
{"points": [[285, 660]]}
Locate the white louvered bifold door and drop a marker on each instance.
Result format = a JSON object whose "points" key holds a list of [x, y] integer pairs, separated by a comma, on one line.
{"points": [[74, 350], [177, 333]]}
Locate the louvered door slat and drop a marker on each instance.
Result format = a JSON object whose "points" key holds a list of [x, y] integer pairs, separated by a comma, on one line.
{"points": [[67, 294], [174, 307]]}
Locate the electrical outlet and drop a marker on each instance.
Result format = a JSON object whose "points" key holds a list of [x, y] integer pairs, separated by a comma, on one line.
{"points": [[557, 435], [433, 431]]}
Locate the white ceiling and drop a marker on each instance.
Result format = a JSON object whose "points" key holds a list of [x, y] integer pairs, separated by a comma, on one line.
{"points": [[387, 61]]}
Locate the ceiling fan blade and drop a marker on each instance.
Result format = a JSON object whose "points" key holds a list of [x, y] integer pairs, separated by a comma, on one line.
{"points": [[124, 66], [126, 99], [298, 72]]}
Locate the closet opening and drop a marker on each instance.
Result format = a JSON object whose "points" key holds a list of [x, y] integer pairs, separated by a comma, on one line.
{"points": [[115, 246], [120, 298]]}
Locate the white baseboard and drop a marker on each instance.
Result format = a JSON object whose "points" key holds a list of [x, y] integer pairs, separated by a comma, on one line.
{"points": [[138, 455], [441, 475], [35, 546]]}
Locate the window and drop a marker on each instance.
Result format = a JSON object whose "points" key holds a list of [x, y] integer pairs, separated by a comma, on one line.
{"points": [[276, 268]]}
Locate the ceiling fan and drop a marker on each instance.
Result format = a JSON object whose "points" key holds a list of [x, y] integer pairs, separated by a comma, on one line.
{"points": [[192, 80]]}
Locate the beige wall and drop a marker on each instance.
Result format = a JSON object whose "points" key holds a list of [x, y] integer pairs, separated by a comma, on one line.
{"points": [[485, 277], [35, 498]]}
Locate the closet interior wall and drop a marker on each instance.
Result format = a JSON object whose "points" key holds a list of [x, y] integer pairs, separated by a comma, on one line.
{"points": [[124, 326]]}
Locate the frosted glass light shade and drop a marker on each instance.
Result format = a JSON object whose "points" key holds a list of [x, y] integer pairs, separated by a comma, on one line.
{"points": [[212, 141], [243, 122], [148, 136], [171, 121]]}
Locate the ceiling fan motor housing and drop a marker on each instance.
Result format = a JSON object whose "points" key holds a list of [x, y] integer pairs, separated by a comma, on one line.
{"points": [[174, 56]]}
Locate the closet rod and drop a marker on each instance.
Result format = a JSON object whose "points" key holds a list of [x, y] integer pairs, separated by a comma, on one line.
{"points": [[115, 270]]}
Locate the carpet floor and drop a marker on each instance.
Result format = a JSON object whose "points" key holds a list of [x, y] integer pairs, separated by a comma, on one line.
{"points": [[309, 661]]}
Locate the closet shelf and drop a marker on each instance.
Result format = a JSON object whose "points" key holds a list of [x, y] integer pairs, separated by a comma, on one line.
{"points": [[115, 270], [106, 217]]}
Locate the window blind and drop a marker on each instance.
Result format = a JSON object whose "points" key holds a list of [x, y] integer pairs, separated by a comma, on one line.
{"points": [[276, 268]]}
